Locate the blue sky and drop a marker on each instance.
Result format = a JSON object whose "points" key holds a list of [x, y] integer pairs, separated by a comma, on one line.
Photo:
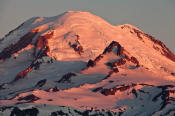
{"points": [[155, 17]]}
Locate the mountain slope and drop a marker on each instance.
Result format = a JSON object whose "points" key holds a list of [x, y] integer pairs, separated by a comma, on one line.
{"points": [[78, 59]]}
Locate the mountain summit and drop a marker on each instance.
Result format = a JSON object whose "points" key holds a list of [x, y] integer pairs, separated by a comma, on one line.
{"points": [[80, 61]]}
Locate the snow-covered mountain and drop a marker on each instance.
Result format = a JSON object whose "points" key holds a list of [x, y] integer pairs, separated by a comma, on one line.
{"points": [[76, 63]]}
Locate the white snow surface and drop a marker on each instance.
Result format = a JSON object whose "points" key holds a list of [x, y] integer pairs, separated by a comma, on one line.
{"points": [[94, 34]]}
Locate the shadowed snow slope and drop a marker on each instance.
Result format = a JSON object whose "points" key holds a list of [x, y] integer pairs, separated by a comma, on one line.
{"points": [[78, 60]]}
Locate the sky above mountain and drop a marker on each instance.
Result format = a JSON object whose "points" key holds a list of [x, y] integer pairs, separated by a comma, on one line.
{"points": [[155, 17]]}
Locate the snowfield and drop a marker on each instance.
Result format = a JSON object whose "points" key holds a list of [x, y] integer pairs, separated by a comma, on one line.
{"points": [[76, 63]]}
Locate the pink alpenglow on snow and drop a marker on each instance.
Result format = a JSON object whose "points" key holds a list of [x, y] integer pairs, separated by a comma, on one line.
{"points": [[77, 63]]}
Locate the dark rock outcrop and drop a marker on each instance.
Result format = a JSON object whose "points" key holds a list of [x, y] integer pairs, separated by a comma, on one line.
{"points": [[36, 65], [134, 92], [40, 44], [120, 62], [3, 108], [66, 78], [112, 45], [90, 63], [90, 112], [29, 98], [59, 113], [119, 52], [98, 58], [173, 74], [55, 89], [26, 112], [116, 63], [1, 86], [77, 46], [22, 43], [165, 96], [41, 83], [22, 74], [97, 89], [112, 91], [164, 50], [135, 61]]}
